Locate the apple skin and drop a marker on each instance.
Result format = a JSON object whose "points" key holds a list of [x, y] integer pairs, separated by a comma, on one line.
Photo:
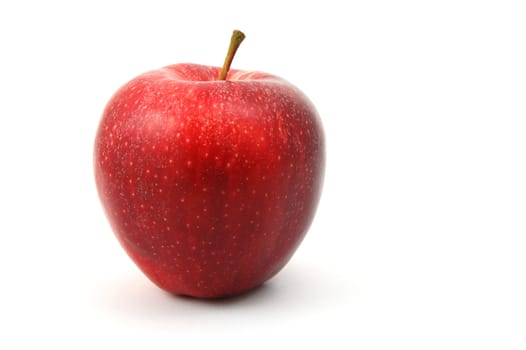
{"points": [[209, 185]]}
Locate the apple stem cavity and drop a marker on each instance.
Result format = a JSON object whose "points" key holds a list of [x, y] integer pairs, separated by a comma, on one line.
{"points": [[235, 41]]}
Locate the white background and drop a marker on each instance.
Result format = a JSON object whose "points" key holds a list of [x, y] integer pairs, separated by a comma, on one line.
{"points": [[419, 241]]}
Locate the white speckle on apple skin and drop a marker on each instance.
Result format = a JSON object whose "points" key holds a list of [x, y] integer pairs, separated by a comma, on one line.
{"points": [[209, 162]]}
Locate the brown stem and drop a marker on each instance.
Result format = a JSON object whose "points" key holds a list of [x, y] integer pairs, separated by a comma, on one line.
{"points": [[235, 41]]}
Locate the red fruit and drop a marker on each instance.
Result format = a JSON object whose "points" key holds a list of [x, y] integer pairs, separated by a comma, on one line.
{"points": [[209, 185]]}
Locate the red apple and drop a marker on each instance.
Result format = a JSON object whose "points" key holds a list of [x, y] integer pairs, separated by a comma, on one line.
{"points": [[209, 184]]}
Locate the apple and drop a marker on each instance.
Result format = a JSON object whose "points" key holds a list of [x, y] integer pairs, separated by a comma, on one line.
{"points": [[209, 177]]}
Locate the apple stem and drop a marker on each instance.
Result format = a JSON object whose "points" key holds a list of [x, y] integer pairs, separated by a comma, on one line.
{"points": [[235, 41]]}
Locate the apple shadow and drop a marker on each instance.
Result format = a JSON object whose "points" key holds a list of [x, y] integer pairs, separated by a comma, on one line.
{"points": [[296, 289], [249, 296]]}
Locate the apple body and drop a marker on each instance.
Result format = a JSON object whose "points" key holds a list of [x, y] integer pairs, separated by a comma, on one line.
{"points": [[209, 185]]}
